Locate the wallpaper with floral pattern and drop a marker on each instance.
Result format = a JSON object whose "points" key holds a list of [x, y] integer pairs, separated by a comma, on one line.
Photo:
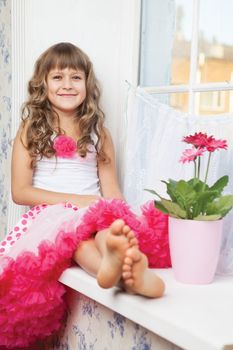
{"points": [[92, 326], [5, 110]]}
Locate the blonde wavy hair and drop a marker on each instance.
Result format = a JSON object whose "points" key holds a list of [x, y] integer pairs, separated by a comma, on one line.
{"points": [[37, 112]]}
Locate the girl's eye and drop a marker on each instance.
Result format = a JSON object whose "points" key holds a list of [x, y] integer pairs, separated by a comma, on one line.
{"points": [[57, 77], [77, 77]]}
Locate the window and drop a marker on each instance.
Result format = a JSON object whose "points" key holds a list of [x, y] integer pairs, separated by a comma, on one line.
{"points": [[186, 56], [213, 101]]}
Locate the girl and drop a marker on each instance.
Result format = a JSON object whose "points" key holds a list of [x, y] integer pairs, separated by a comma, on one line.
{"points": [[63, 167]]}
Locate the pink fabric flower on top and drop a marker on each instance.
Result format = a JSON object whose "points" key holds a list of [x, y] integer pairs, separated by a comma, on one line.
{"points": [[191, 154], [64, 146]]}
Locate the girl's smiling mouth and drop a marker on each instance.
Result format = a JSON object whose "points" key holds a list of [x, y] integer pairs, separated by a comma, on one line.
{"points": [[67, 95]]}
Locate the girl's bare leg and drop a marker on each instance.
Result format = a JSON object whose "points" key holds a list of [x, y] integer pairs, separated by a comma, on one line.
{"points": [[138, 278], [113, 244], [88, 257]]}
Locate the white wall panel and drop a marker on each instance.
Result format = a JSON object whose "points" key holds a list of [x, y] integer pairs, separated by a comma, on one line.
{"points": [[107, 30]]}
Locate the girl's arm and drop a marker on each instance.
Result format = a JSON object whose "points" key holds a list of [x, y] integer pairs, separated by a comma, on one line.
{"points": [[22, 190], [107, 171]]}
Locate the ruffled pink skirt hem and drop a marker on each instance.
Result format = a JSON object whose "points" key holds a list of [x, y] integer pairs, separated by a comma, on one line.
{"points": [[32, 303]]}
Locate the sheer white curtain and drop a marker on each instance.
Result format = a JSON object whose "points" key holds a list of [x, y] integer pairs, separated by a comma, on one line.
{"points": [[154, 147]]}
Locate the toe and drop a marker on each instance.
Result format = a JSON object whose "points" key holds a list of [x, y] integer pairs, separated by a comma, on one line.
{"points": [[117, 227], [128, 261], [127, 275], [126, 230], [126, 267], [133, 253], [130, 234], [133, 242], [129, 282]]}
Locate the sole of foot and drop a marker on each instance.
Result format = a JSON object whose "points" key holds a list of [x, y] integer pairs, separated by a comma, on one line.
{"points": [[138, 278], [119, 238]]}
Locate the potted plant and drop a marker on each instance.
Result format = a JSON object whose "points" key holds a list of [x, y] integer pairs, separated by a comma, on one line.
{"points": [[195, 212]]}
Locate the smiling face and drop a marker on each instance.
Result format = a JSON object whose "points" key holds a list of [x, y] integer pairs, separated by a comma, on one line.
{"points": [[66, 90]]}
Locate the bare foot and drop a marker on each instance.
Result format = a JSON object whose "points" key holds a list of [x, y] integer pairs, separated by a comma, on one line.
{"points": [[138, 278], [119, 238]]}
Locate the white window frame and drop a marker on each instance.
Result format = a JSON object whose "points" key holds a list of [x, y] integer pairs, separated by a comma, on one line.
{"points": [[192, 87]]}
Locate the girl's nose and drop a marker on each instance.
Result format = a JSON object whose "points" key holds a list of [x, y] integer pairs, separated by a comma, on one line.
{"points": [[67, 83]]}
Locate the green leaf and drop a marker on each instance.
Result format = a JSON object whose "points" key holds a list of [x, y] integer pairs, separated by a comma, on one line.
{"points": [[171, 188], [220, 206], [174, 209], [202, 201], [198, 185], [220, 184], [159, 206], [185, 196], [208, 217], [153, 192]]}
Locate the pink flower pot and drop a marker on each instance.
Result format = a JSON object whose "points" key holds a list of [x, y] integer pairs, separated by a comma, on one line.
{"points": [[194, 247]]}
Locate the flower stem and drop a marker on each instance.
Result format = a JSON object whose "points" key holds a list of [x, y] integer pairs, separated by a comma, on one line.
{"points": [[195, 168], [199, 167], [207, 169]]}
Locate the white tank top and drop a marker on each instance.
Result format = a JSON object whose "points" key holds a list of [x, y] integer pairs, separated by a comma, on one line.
{"points": [[75, 175]]}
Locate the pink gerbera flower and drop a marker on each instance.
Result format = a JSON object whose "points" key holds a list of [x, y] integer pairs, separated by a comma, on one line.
{"points": [[204, 141], [64, 146], [198, 139], [214, 144], [191, 154]]}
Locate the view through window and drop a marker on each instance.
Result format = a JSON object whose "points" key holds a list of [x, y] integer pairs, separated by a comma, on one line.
{"points": [[186, 56]]}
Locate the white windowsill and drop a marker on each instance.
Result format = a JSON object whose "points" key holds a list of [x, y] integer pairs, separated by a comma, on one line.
{"points": [[194, 317]]}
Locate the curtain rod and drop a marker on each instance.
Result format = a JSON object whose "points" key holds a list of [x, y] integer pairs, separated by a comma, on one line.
{"points": [[226, 86]]}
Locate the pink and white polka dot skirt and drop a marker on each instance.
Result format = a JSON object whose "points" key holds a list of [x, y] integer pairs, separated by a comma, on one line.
{"points": [[20, 228], [40, 247]]}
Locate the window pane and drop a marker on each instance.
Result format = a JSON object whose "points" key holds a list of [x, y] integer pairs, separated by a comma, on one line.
{"points": [[165, 42], [178, 100], [213, 102], [166, 27], [215, 41], [157, 32], [182, 42]]}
